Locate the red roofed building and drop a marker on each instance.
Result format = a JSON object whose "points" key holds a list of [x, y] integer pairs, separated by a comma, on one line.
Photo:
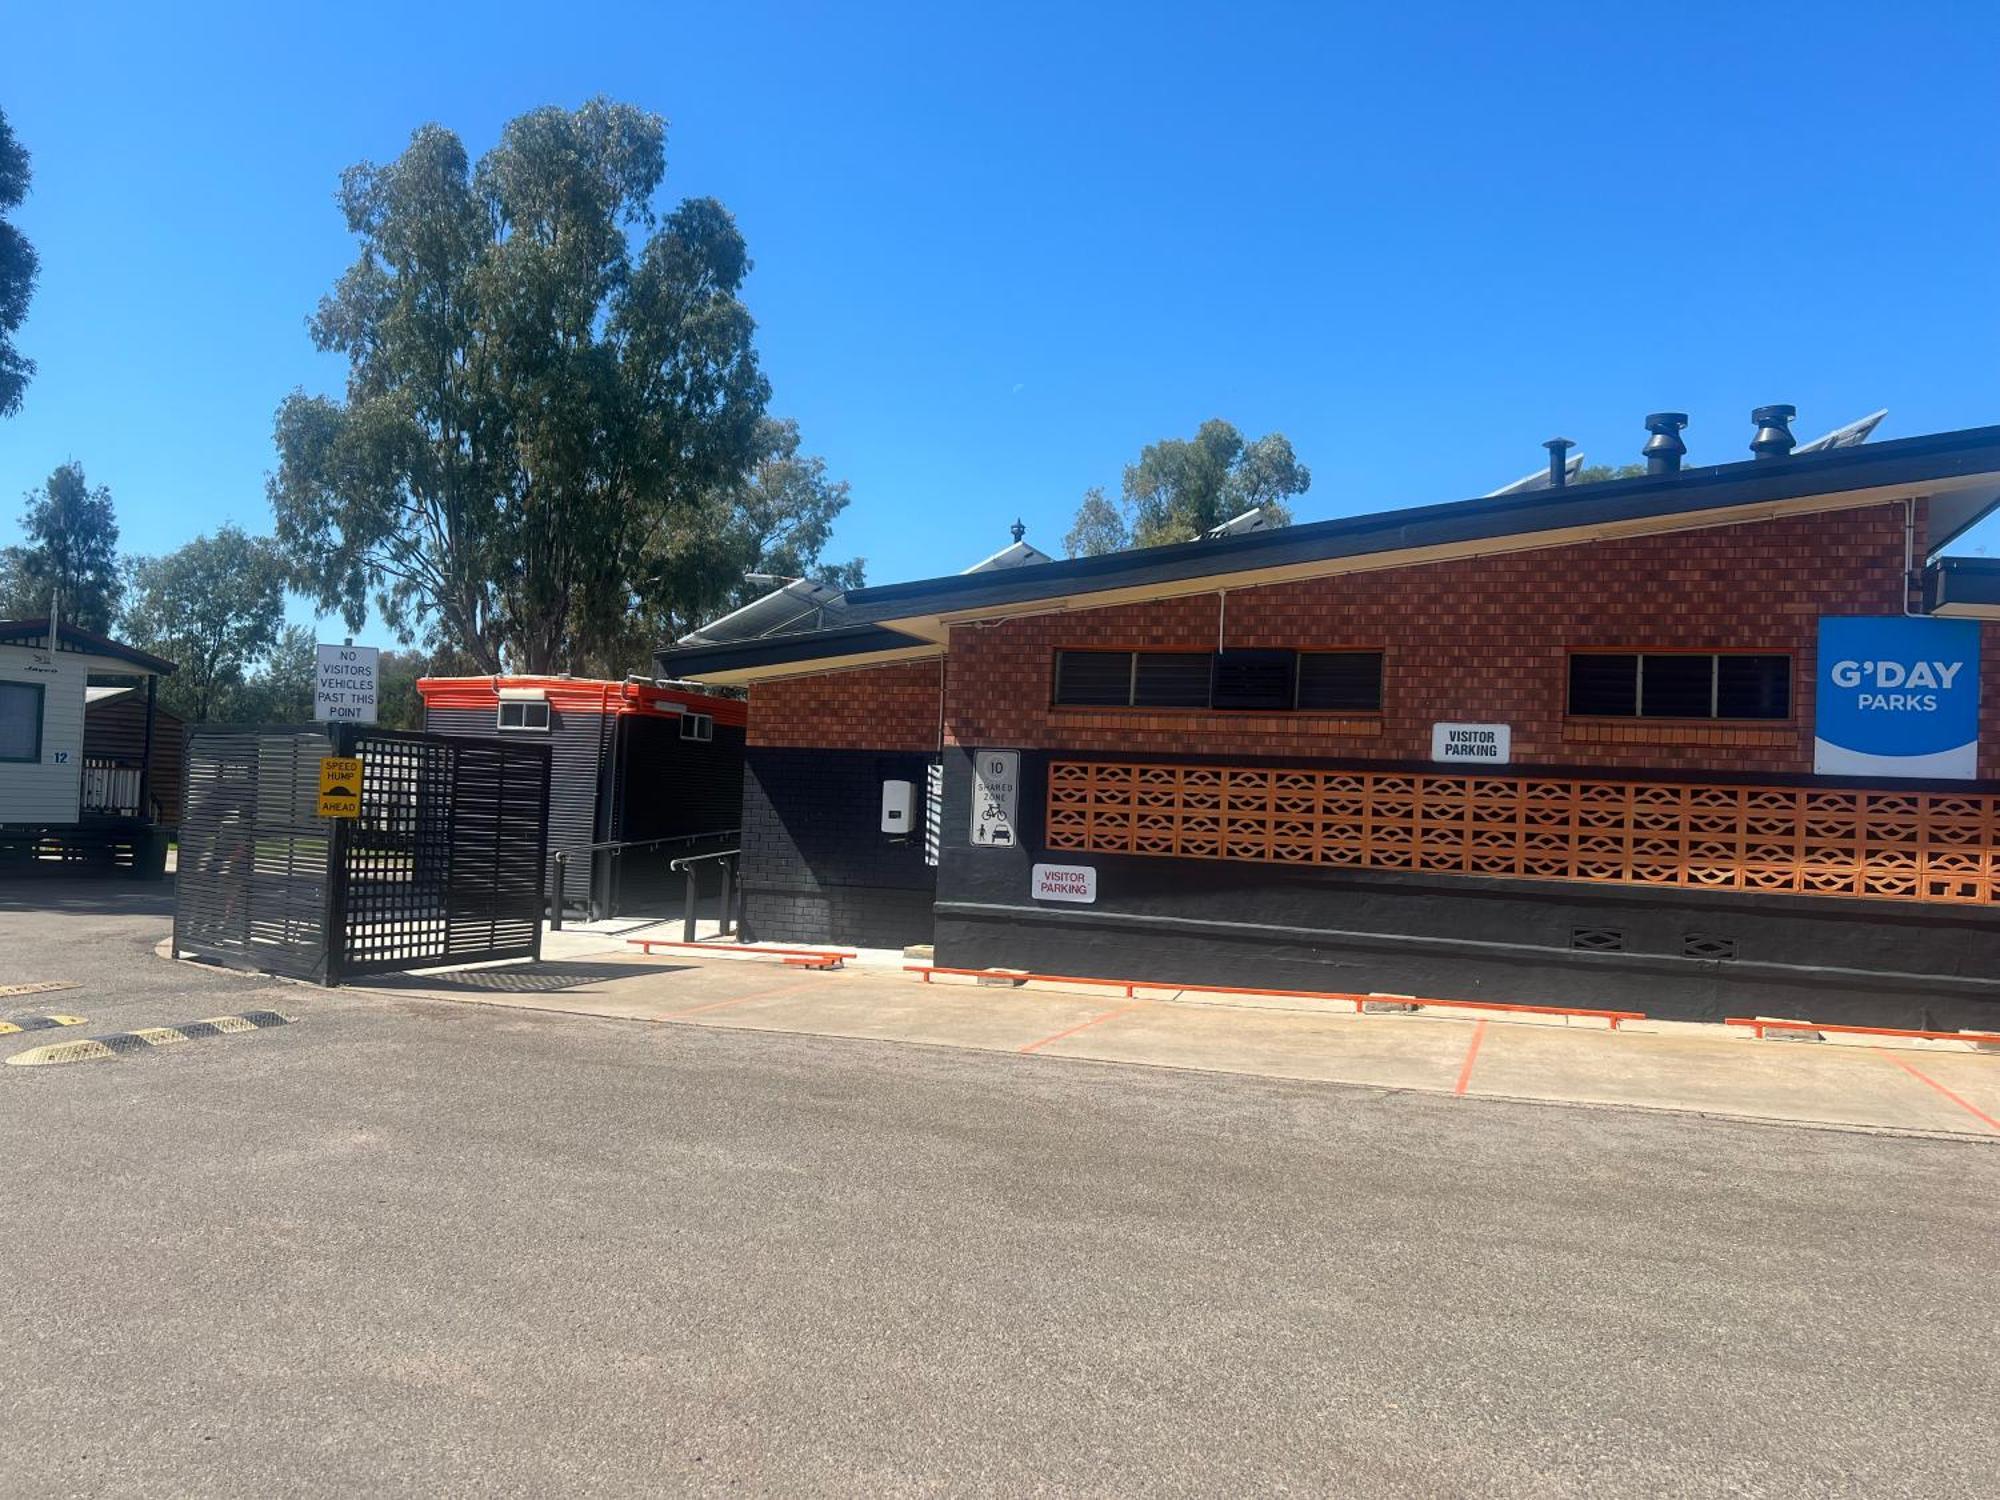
{"points": [[631, 762]]}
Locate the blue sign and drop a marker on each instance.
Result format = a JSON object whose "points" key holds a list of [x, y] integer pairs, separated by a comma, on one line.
{"points": [[1897, 697]]}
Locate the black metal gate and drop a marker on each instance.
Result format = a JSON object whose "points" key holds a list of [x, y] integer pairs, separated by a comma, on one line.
{"points": [[251, 887], [442, 865]]}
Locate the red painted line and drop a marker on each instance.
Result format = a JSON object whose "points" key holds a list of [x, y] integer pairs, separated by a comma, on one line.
{"points": [[788, 989], [1471, 1056], [1086, 1025], [1972, 1109]]}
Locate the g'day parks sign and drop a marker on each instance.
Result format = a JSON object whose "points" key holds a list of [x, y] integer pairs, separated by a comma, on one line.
{"points": [[1897, 697], [345, 690]]}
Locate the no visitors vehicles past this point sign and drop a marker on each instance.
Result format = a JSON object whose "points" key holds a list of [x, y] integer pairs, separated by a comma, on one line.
{"points": [[345, 690]]}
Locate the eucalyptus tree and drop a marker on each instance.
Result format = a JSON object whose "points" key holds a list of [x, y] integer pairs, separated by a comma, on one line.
{"points": [[17, 271], [70, 555], [548, 386], [214, 607], [1182, 487]]}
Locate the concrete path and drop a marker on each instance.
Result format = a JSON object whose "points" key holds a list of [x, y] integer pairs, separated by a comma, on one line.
{"points": [[1943, 1088]]}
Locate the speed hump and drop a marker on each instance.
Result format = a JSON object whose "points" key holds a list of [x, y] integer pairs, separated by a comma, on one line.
{"points": [[339, 786]]}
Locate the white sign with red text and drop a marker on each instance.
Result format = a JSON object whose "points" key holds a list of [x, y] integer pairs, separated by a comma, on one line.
{"points": [[1065, 883]]}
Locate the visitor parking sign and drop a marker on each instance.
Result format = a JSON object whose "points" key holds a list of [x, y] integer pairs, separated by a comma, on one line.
{"points": [[1897, 696]]}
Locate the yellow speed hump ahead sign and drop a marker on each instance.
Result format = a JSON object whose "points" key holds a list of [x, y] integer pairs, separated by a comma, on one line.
{"points": [[339, 786]]}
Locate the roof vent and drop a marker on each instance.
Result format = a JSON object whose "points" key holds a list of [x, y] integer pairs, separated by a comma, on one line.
{"points": [[1774, 436], [1558, 461], [1664, 448]]}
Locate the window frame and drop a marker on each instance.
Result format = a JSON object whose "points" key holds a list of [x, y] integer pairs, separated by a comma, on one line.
{"points": [[703, 726], [1715, 659], [1298, 654], [41, 692], [501, 725], [1381, 656]]}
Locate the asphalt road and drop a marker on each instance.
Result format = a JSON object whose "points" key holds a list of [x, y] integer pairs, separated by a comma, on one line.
{"points": [[416, 1248]]}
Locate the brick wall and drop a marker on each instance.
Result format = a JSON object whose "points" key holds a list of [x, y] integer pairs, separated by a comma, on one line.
{"points": [[1481, 640], [816, 866], [872, 708]]}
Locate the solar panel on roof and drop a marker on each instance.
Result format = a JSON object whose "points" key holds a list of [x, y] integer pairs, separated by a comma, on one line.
{"points": [[1255, 519], [798, 605], [1539, 480], [1851, 436]]}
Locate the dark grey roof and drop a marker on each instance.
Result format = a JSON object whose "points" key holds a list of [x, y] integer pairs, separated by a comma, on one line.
{"points": [[1903, 464], [1646, 496], [75, 638], [695, 659], [1963, 583]]}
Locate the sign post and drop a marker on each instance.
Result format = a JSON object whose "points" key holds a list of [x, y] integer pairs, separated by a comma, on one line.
{"points": [[346, 687], [1897, 696]]}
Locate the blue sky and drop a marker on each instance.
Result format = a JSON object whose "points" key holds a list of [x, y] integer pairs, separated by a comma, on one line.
{"points": [[1001, 248]]}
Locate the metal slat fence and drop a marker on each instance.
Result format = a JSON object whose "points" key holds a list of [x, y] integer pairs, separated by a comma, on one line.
{"points": [[441, 866], [251, 890]]}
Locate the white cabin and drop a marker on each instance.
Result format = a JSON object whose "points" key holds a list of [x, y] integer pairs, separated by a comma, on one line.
{"points": [[44, 685]]}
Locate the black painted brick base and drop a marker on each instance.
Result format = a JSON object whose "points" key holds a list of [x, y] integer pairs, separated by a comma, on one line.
{"points": [[1685, 954], [816, 868]]}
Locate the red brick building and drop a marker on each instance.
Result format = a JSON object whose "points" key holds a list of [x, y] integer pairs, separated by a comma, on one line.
{"points": [[1573, 745]]}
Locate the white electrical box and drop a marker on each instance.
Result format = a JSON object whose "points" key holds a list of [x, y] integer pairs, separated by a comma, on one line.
{"points": [[898, 802]]}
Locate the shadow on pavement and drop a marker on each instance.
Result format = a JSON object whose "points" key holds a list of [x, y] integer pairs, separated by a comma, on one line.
{"points": [[87, 895], [547, 978]]}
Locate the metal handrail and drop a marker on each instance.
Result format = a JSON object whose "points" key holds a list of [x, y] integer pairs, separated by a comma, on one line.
{"points": [[559, 873], [694, 859], [686, 865], [677, 838]]}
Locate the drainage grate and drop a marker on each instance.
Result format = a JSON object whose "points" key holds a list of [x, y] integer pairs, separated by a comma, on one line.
{"points": [[1597, 939], [1707, 945]]}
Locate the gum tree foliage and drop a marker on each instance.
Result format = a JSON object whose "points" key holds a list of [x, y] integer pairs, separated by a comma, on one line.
{"points": [[214, 607], [1597, 473], [548, 386], [1181, 487], [71, 552], [774, 521], [17, 271], [280, 691], [1099, 527], [783, 516]]}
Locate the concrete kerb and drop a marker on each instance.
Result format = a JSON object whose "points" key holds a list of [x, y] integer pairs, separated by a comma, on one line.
{"points": [[1408, 1007], [1255, 998], [1373, 1005], [1337, 1046]]}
